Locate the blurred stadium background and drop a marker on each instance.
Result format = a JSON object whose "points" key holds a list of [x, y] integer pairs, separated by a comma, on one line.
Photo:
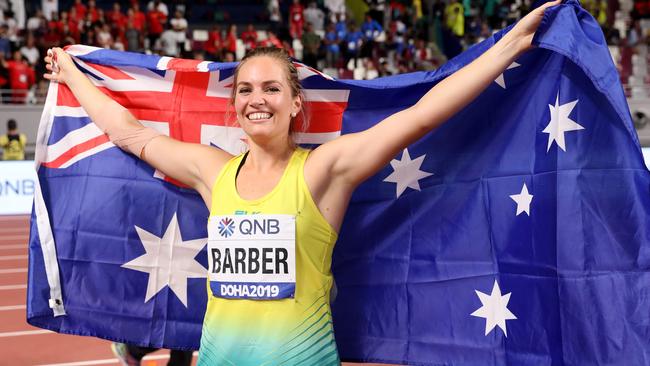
{"points": [[343, 38]]}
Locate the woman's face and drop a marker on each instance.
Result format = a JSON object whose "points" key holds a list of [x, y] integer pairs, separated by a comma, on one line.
{"points": [[263, 99]]}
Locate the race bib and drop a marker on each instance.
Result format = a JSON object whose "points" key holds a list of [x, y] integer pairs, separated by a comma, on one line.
{"points": [[252, 256]]}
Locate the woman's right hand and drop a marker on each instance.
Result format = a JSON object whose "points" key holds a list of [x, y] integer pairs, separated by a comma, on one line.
{"points": [[59, 64]]}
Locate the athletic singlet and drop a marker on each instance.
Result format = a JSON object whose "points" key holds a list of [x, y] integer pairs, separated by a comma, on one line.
{"points": [[290, 331]]}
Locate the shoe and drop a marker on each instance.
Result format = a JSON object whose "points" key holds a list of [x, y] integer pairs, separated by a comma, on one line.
{"points": [[122, 353]]}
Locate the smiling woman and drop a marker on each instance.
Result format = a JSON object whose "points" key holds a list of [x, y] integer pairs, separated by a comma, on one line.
{"points": [[269, 289]]}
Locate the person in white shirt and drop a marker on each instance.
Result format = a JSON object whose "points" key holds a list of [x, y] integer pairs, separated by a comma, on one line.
{"points": [[29, 51], [179, 26], [314, 15]]}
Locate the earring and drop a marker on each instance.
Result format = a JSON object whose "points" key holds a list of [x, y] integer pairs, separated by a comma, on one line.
{"points": [[293, 115]]}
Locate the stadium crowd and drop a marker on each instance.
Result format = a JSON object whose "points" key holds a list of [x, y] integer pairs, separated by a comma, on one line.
{"points": [[373, 38]]}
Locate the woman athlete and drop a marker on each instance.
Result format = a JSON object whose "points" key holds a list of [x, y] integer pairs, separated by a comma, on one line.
{"points": [[269, 295]]}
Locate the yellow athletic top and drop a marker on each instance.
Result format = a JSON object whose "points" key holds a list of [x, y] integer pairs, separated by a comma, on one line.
{"points": [[289, 331]]}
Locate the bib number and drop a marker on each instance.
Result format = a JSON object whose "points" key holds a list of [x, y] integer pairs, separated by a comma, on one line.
{"points": [[252, 256]]}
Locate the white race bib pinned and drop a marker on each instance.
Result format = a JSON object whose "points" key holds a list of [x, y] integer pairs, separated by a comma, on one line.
{"points": [[252, 256]]}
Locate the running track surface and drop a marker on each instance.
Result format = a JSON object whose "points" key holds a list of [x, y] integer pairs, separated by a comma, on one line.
{"points": [[22, 344]]}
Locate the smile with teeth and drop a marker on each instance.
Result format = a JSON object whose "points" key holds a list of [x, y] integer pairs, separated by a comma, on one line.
{"points": [[259, 115]]}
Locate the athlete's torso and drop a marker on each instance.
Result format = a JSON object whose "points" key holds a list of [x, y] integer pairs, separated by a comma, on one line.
{"points": [[289, 331]]}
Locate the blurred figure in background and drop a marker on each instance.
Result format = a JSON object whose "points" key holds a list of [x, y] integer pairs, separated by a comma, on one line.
{"points": [[13, 143]]}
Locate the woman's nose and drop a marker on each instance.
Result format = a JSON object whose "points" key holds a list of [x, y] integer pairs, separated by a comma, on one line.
{"points": [[257, 99]]}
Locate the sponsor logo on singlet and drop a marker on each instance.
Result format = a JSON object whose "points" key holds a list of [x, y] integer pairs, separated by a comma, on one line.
{"points": [[252, 256]]}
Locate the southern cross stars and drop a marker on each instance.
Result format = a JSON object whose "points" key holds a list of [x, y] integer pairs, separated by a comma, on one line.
{"points": [[494, 309], [560, 123], [523, 200], [407, 173], [169, 261]]}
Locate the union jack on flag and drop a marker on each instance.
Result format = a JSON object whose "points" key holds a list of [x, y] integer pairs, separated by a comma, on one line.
{"points": [[516, 233], [184, 99]]}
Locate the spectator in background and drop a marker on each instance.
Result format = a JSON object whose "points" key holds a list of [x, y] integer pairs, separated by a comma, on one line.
{"points": [[341, 27], [80, 8], [104, 36], [311, 45], [30, 51], [230, 44], [314, 15], [92, 11], [4, 80], [21, 77], [158, 5], [332, 48], [115, 17], [249, 36], [167, 43], [137, 16], [353, 42], [179, 26], [50, 7], [371, 30], [155, 20], [133, 37], [336, 9], [5, 45], [13, 143], [12, 27], [36, 22], [296, 19], [272, 40], [214, 45], [454, 18], [275, 17]]}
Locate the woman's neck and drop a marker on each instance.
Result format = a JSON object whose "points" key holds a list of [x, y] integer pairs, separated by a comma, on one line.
{"points": [[269, 156]]}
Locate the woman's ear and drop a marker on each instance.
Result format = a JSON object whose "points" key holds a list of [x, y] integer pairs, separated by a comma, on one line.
{"points": [[297, 105]]}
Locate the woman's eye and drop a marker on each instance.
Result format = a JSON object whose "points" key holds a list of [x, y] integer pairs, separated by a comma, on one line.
{"points": [[244, 90], [273, 89]]}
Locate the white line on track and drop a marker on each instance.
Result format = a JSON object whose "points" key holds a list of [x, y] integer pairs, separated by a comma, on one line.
{"points": [[15, 238], [24, 333], [12, 257], [107, 361], [12, 307], [13, 270], [14, 246], [13, 287]]}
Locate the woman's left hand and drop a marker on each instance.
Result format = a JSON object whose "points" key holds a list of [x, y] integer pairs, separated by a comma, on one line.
{"points": [[522, 33]]}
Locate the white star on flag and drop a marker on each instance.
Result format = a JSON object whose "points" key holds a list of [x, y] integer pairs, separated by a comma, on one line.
{"points": [[560, 122], [494, 309], [169, 261], [406, 172], [500, 80], [523, 200]]}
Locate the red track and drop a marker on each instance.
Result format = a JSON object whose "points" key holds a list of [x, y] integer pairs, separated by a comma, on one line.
{"points": [[22, 344]]}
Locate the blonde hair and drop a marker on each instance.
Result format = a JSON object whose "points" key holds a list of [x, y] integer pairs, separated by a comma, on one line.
{"points": [[281, 55]]}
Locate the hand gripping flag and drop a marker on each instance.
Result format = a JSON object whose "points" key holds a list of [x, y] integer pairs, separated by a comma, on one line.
{"points": [[517, 233]]}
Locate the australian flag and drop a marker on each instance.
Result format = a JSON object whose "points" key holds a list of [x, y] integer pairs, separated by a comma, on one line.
{"points": [[515, 234]]}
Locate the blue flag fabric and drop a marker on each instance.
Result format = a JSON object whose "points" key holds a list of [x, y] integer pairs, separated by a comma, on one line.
{"points": [[516, 233]]}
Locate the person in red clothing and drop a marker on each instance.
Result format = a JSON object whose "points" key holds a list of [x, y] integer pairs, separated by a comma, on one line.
{"points": [[21, 77], [80, 8], [272, 40], [249, 37], [93, 11], [137, 17], [230, 43], [155, 21], [74, 25], [214, 45], [296, 19], [116, 17]]}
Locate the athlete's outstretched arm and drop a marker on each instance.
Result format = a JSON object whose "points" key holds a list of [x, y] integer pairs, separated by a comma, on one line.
{"points": [[350, 159], [193, 164]]}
